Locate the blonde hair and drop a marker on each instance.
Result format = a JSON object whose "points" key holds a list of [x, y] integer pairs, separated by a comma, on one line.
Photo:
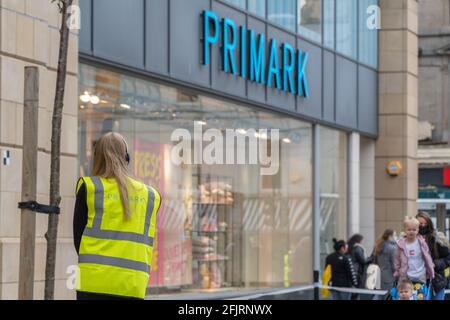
{"points": [[110, 162], [405, 284], [409, 220]]}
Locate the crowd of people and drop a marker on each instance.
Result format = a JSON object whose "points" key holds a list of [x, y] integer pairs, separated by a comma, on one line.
{"points": [[420, 256]]}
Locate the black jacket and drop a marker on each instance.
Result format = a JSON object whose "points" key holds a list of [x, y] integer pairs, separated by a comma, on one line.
{"points": [[440, 253], [359, 259], [80, 217], [343, 273]]}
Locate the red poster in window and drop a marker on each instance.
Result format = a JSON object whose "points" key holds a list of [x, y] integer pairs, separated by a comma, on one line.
{"points": [[148, 164], [446, 176], [172, 250]]}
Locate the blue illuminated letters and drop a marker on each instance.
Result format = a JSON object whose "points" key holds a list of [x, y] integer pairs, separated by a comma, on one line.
{"points": [[243, 52], [257, 58], [302, 60], [209, 18], [274, 69], [288, 67], [228, 48], [289, 77]]}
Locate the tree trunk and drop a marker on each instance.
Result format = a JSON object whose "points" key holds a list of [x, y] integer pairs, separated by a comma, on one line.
{"points": [[55, 198]]}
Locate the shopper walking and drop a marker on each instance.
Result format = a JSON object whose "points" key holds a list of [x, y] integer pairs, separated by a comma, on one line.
{"points": [[342, 270], [440, 253], [384, 256], [114, 225], [359, 259]]}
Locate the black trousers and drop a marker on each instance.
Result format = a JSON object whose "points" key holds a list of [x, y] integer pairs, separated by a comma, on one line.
{"points": [[100, 296]]}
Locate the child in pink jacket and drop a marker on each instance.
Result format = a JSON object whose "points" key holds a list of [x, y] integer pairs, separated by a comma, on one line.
{"points": [[412, 259]]}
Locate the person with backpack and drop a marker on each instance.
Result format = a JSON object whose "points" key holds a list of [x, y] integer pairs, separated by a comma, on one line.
{"points": [[359, 258], [384, 257], [343, 273], [440, 253]]}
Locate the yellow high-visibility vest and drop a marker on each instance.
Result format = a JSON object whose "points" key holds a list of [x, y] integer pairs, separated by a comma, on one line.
{"points": [[116, 253]]}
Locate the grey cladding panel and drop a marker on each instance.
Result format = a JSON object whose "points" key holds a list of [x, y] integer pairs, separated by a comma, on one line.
{"points": [[346, 113], [221, 81], [86, 27], [169, 43], [312, 106], [328, 86], [157, 36], [185, 41], [119, 31], [368, 109], [280, 98]]}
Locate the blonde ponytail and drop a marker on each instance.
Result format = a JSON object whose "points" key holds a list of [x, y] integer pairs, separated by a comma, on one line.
{"points": [[110, 162]]}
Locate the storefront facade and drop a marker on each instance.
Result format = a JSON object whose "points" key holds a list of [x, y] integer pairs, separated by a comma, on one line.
{"points": [[306, 68], [344, 103]]}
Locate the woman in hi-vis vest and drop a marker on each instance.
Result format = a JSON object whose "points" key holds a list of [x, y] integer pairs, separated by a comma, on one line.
{"points": [[114, 226]]}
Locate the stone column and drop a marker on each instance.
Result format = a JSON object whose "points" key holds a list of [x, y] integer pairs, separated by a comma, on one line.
{"points": [[395, 197], [353, 184], [367, 192]]}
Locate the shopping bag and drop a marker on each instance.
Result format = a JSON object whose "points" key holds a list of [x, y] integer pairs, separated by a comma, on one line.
{"points": [[326, 278], [373, 277]]}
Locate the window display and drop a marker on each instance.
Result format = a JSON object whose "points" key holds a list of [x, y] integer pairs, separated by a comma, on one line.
{"points": [[220, 226]]}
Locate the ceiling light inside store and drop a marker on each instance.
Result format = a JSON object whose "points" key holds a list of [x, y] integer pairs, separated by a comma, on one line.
{"points": [[242, 131], [263, 136], [287, 140], [125, 106], [85, 97], [81, 107], [95, 99], [202, 122]]}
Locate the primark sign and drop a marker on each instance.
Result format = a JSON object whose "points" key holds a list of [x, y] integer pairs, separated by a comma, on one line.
{"points": [[255, 63]]}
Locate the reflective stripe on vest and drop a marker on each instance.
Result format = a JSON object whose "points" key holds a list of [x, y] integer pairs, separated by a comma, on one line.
{"points": [[115, 262], [103, 279], [96, 232]]}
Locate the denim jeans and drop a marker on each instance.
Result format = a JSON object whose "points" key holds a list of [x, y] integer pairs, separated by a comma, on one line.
{"points": [[338, 295], [439, 295]]}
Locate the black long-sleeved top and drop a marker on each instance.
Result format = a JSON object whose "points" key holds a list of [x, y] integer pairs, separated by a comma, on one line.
{"points": [[343, 273], [80, 217]]}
